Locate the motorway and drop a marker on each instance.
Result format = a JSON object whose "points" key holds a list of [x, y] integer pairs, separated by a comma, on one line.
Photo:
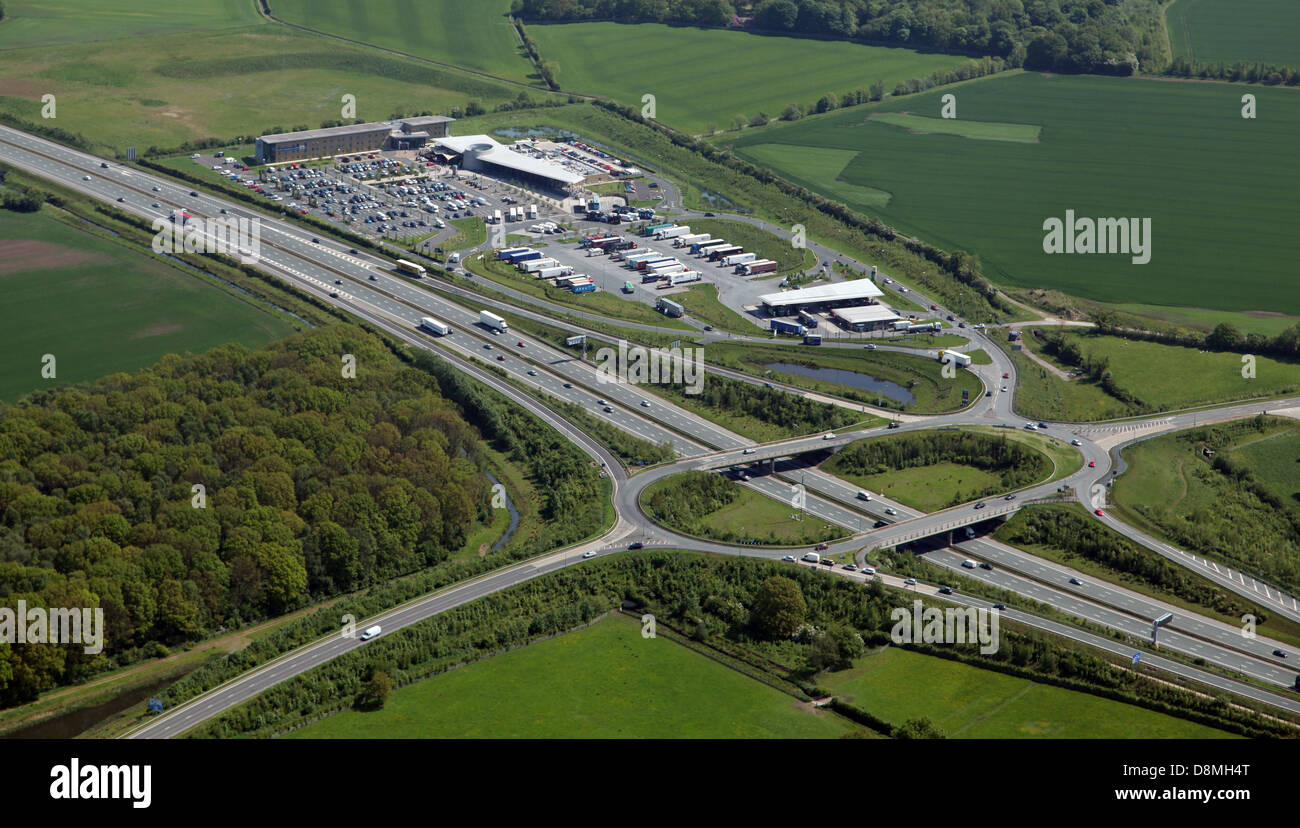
{"points": [[371, 292]]}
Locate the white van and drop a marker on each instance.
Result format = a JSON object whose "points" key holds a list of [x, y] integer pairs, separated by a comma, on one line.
{"points": [[812, 557], [864, 495], [371, 633], [968, 564]]}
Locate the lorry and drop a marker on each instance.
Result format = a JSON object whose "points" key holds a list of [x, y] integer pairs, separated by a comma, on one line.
{"points": [[925, 327], [531, 255], [532, 211], [700, 247], [496, 216], [598, 241], [673, 232], [621, 244], [371, 632], [512, 256], [754, 268], [585, 287], [651, 229], [553, 272], [808, 319], [534, 265], [782, 326], [812, 339], [505, 254], [440, 328], [955, 357], [900, 325], [646, 264], [717, 253], [410, 268], [490, 320], [687, 241], [649, 276], [632, 258], [669, 308], [738, 258], [682, 277], [664, 269]]}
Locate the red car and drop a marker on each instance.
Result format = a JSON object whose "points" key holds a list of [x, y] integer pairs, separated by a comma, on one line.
{"points": [[1100, 513], [1006, 376], [1092, 464], [521, 344], [501, 357], [934, 307], [821, 547]]}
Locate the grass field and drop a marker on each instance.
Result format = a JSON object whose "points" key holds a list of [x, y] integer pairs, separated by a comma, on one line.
{"points": [[473, 34], [601, 682], [1159, 374], [33, 22], [1251, 31], [702, 78], [1107, 147], [701, 303], [972, 703], [100, 308], [940, 485], [749, 517], [1171, 490], [161, 90]]}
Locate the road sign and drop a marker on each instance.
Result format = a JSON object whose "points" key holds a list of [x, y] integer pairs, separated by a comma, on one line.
{"points": [[1137, 657], [155, 706]]}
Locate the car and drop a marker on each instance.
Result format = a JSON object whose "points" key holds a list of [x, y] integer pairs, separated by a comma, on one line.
{"points": [[708, 215], [155, 204], [988, 393], [767, 385], [103, 164], [986, 565], [1004, 388], [848, 567], [194, 193], [708, 327], [827, 562], [910, 581], [879, 524], [334, 294], [1099, 512], [601, 402], [636, 545], [945, 590], [588, 554], [338, 281], [1042, 425], [120, 199], [1006, 375], [894, 424], [157, 189], [1092, 464], [374, 278], [999, 606], [85, 178], [889, 510], [870, 347], [1076, 582], [521, 344], [828, 436], [1280, 653], [1076, 442], [980, 505], [868, 570], [568, 385], [532, 372], [821, 547], [749, 451], [487, 346], [501, 357], [314, 240], [352, 250], [645, 403], [1009, 497]]}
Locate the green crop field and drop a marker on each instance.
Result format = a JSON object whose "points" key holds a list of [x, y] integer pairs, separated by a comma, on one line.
{"points": [[1251, 31], [169, 88], [31, 22], [749, 517], [472, 34], [1106, 147], [100, 308], [601, 682], [972, 703], [706, 77]]}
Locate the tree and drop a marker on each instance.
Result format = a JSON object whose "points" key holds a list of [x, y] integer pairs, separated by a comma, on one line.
{"points": [[921, 728], [375, 692], [779, 608], [1224, 337], [792, 113]]}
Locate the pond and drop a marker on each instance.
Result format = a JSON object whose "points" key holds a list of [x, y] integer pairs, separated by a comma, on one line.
{"points": [[853, 379]]}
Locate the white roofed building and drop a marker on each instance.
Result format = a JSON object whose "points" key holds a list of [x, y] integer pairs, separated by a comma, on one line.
{"points": [[822, 298]]}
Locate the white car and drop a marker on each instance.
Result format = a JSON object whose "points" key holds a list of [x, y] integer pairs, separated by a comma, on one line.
{"points": [[867, 570], [788, 558], [749, 451], [85, 178], [645, 403], [588, 554], [828, 436], [1076, 442], [889, 510]]}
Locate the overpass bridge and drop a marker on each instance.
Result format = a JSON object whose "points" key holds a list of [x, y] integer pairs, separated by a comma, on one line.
{"points": [[948, 521], [771, 452]]}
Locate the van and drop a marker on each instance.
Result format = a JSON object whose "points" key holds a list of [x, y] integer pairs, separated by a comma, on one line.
{"points": [[812, 557], [371, 632], [968, 564], [864, 495]]}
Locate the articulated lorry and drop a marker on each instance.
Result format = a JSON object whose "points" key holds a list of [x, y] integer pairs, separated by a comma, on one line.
{"points": [[490, 320]]}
